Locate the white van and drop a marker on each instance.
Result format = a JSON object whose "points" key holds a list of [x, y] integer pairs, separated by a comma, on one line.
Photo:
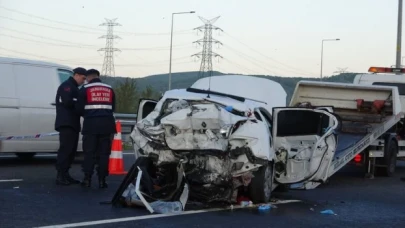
{"points": [[27, 104]]}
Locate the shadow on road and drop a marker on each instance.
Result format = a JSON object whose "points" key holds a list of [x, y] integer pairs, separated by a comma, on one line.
{"points": [[10, 161]]}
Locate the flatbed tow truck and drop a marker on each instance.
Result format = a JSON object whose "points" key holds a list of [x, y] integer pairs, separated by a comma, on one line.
{"points": [[374, 135]]}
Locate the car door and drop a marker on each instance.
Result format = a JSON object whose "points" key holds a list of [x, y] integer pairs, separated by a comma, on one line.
{"points": [[145, 107], [304, 143]]}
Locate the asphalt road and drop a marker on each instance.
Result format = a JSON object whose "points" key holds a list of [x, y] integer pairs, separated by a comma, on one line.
{"points": [[29, 198]]}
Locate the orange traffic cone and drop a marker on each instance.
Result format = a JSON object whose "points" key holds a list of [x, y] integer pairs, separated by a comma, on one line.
{"points": [[116, 163]]}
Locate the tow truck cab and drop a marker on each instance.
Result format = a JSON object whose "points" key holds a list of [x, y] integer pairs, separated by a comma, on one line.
{"points": [[385, 76]]}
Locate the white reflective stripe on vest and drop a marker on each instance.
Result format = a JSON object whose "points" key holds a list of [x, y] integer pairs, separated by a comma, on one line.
{"points": [[116, 154], [98, 107], [96, 84]]}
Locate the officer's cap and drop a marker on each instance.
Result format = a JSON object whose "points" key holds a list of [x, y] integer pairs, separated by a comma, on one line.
{"points": [[79, 70], [93, 72]]}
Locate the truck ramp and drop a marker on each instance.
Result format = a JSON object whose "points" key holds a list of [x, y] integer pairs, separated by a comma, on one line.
{"points": [[365, 113], [346, 141]]}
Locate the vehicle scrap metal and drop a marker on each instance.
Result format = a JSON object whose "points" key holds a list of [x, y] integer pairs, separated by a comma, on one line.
{"points": [[218, 146]]}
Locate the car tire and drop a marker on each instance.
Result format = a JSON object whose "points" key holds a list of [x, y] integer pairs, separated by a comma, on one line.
{"points": [[261, 186], [391, 159]]}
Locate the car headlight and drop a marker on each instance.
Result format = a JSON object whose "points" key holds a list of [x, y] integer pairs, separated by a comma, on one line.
{"points": [[225, 130]]}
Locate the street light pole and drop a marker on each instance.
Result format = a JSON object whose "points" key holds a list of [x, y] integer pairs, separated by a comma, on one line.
{"points": [[399, 34], [322, 52], [171, 44]]}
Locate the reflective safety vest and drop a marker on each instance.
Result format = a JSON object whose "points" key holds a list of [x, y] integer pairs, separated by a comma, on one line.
{"points": [[99, 99]]}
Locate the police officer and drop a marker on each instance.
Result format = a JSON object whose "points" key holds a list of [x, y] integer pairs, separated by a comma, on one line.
{"points": [[96, 103], [67, 123]]}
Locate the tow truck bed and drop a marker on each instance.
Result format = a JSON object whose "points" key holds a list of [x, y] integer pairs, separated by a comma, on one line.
{"points": [[345, 141], [366, 113]]}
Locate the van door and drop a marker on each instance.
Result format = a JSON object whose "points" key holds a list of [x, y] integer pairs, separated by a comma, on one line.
{"points": [[9, 107], [304, 143], [37, 86]]}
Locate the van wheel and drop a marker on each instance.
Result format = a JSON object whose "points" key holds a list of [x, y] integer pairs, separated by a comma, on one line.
{"points": [[25, 156], [261, 186]]}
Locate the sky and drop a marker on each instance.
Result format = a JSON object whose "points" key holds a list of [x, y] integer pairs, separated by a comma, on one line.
{"points": [[270, 37]]}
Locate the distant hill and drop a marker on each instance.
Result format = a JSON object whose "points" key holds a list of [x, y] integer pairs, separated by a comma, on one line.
{"points": [[185, 79]]}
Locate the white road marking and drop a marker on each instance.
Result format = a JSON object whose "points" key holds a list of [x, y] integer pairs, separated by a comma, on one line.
{"points": [[143, 217], [11, 180]]}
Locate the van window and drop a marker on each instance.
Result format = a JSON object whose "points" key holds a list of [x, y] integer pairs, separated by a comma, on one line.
{"points": [[64, 75], [401, 86]]}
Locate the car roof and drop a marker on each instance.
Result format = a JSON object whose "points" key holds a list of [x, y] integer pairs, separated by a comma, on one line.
{"points": [[7, 60], [250, 87], [269, 92]]}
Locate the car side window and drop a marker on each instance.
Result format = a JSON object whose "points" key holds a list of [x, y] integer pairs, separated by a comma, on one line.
{"points": [[267, 118], [267, 121], [257, 115]]}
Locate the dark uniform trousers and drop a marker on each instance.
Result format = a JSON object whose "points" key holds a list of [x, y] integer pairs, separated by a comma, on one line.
{"points": [[97, 149], [68, 138]]}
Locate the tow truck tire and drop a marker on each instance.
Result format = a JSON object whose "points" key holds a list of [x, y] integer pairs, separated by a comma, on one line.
{"points": [[390, 158], [261, 186], [25, 156]]}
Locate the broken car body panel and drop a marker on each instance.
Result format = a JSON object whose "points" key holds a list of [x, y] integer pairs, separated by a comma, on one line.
{"points": [[216, 132], [304, 143]]}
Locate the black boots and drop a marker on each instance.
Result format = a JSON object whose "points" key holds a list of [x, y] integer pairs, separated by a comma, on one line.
{"points": [[64, 178], [61, 179], [87, 182], [102, 183], [70, 179]]}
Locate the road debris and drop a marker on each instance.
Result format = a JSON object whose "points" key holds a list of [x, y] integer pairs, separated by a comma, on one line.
{"points": [[329, 212], [264, 207]]}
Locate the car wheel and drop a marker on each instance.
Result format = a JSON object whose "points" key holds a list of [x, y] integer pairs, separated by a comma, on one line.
{"points": [[261, 186], [391, 159]]}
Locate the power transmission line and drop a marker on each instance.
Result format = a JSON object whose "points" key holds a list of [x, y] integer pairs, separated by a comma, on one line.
{"points": [[47, 38], [47, 43], [47, 26], [87, 28], [207, 53], [42, 18], [79, 45], [108, 65], [285, 65], [76, 45]]}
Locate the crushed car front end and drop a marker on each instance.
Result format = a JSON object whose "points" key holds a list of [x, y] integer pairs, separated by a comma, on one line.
{"points": [[224, 150]]}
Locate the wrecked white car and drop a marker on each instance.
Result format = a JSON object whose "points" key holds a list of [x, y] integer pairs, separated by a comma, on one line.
{"points": [[223, 131]]}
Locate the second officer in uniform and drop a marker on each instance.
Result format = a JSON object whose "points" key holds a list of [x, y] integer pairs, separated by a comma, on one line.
{"points": [[96, 103]]}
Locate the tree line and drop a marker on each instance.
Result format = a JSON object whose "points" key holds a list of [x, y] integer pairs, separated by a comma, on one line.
{"points": [[127, 95]]}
